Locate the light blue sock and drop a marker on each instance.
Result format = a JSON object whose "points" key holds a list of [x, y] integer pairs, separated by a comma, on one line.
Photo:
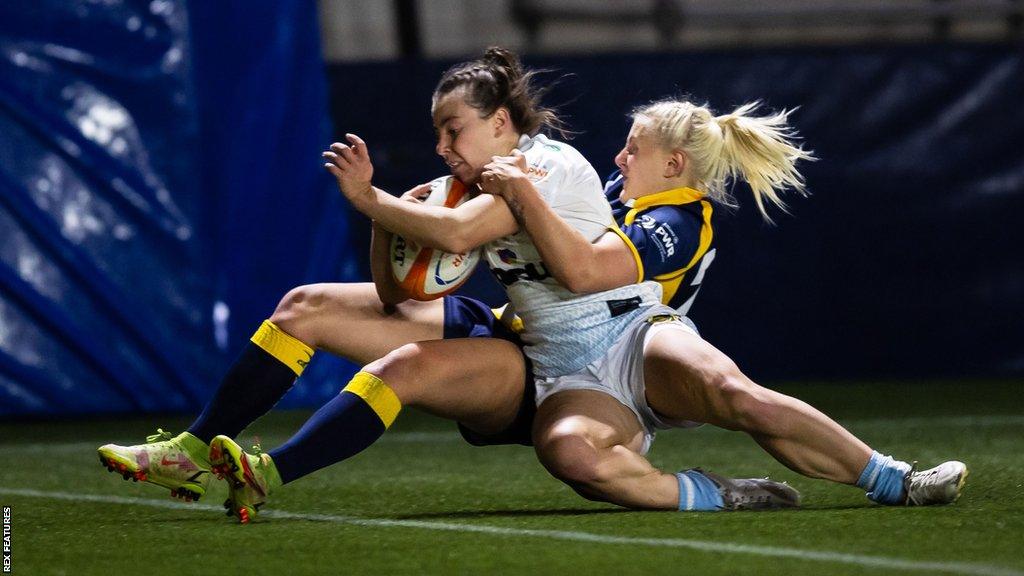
{"points": [[697, 492], [882, 478]]}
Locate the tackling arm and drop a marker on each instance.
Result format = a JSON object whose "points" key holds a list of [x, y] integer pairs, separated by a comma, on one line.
{"points": [[577, 264]]}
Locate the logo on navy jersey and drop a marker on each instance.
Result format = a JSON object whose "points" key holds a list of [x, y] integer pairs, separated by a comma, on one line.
{"points": [[667, 238], [647, 223]]}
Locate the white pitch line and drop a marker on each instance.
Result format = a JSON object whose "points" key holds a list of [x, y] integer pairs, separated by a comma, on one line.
{"points": [[589, 537]]}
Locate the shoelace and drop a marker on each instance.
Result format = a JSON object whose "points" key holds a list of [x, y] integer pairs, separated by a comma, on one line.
{"points": [[926, 479], [906, 483], [160, 436]]}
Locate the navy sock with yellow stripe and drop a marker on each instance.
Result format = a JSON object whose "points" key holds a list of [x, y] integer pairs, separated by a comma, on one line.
{"points": [[342, 428], [260, 376]]}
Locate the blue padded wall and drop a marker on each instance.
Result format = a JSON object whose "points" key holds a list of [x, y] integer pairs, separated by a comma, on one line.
{"points": [[160, 188]]}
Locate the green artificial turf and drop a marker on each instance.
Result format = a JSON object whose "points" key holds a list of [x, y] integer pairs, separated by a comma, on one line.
{"points": [[421, 501]]}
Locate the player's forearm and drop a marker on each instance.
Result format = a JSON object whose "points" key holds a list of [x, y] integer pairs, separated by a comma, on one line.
{"points": [[570, 257], [430, 226], [380, 268]]}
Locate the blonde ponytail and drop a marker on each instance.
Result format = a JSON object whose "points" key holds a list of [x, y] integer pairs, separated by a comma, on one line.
{"points": [[737, 146]]}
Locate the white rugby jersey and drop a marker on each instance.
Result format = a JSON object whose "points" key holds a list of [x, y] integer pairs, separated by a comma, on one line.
{"points": [[563, 331], [570, 185]]}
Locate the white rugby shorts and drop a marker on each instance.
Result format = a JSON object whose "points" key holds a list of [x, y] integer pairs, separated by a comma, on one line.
{"points": [[620, 371]]}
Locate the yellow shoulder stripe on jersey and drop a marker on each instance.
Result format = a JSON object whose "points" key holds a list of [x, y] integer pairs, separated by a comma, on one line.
{"points": [[378, 395], [636, 254], [668, 197], [291, 351], [706, 234]]}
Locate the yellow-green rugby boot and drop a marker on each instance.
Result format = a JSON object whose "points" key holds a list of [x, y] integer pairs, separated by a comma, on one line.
{"points": [[251, 477], [180, 463]]}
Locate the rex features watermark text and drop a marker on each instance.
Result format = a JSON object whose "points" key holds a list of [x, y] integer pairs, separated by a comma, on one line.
{"points": [[7, 539]]}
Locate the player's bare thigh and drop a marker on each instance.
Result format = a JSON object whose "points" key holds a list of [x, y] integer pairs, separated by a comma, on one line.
{"points": [[350, 320], [686, 378], [476, 381]]}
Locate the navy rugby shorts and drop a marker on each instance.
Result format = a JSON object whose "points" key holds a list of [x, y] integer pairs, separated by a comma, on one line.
{"points": [[469, 318]]}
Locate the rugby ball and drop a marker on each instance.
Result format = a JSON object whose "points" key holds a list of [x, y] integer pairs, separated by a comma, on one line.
{"points": [[429, 273]]}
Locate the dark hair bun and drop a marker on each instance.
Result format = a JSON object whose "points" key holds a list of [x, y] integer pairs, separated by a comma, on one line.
{"points": [[504, 60], [498, 79]]}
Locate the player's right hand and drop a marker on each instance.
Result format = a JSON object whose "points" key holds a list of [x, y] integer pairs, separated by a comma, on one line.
{"points": [[351, 166]]}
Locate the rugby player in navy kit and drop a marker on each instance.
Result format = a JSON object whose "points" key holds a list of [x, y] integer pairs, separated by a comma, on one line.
{"points": [[677, 156]]}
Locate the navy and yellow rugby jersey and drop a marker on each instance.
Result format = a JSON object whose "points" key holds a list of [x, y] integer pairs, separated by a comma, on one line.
{"points": [[670, 236]]}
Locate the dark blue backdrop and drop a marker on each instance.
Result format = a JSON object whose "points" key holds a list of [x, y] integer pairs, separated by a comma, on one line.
{"points": [[160, 189]]}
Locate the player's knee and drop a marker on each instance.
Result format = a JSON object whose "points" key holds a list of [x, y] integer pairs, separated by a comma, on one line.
{"points": [[402, 370], [569, 460], [297, 305], [569, 455], [746, 406]]}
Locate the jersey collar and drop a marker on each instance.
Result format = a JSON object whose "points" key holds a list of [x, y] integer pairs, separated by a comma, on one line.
{"points": [[674, 196], [525, 142]]}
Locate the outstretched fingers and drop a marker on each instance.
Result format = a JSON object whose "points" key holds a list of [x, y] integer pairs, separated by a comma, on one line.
{"points": [[357, 143], [343, 152], [335, 164]]}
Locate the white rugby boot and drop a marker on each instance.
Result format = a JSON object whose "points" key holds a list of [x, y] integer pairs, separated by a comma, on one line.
{"points": [[939, 485]]}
